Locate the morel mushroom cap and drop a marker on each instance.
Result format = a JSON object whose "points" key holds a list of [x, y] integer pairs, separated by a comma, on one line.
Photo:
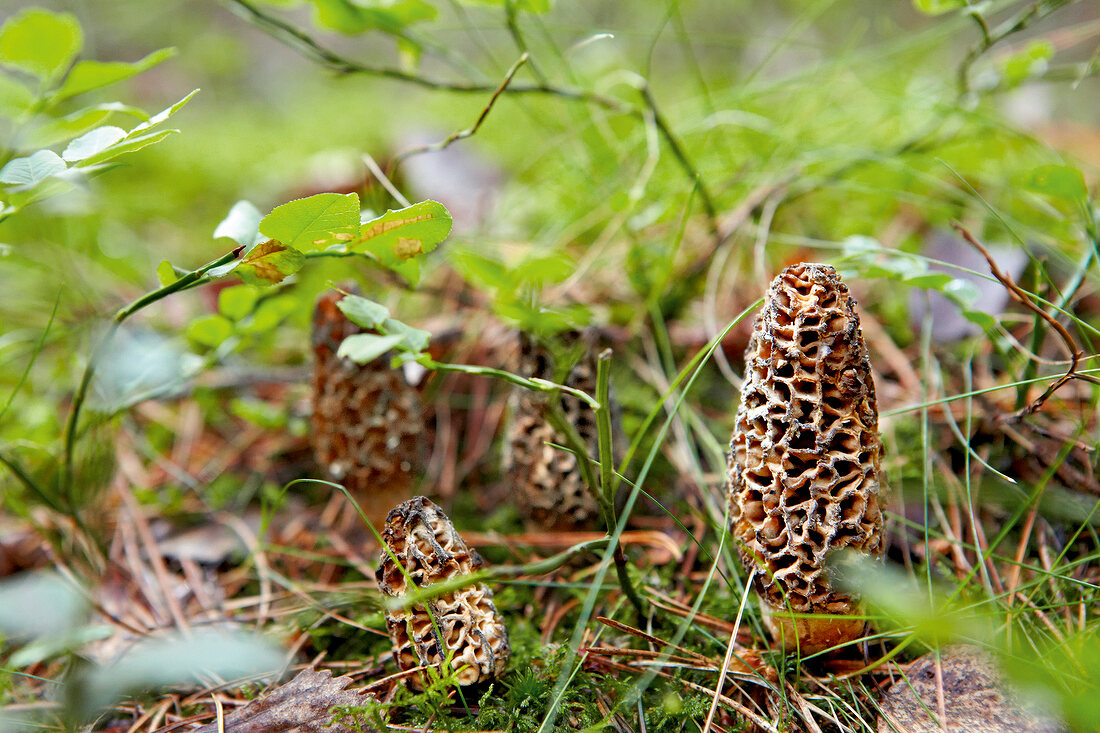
{"points": [[549, 487], [429, 551], [804, 460], [368, 421]]}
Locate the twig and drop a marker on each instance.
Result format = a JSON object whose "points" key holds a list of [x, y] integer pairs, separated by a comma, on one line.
{"points": [[469, 131], [990, 38], [308, 47], [1020, 297]]}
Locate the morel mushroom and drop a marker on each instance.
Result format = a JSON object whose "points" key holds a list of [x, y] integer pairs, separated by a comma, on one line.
{"points": [[464, 622], [549, 487], [368, 421], [804, 460]]}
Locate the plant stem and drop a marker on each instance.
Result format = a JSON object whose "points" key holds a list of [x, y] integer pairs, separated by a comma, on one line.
{"points": [[187, 281], [607, 479]]}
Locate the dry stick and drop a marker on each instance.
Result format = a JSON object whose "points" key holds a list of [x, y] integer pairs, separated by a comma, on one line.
{"points": [[1020, 297], [469, 131]]}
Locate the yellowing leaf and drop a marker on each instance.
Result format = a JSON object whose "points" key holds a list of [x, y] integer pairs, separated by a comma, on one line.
{"points": [[398, 236], [269, 263]]}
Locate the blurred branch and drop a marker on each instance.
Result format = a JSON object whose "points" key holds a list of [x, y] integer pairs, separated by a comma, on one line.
{"points": [[310, 48], [991, 37]]}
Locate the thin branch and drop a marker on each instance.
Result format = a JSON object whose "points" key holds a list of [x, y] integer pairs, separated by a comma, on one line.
{"points": [[1021, 297], [1018, 22], [469, 131], [310, 48]]}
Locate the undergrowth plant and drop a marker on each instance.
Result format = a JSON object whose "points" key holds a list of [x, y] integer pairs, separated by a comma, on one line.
{"points": [[657, 173]]}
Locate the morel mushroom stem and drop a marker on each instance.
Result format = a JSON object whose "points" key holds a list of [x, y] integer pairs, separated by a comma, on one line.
{"points": [[421, 548], [804, 460]]}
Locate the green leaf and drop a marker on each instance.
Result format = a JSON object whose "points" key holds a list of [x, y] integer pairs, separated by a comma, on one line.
{"points": [[542, 269], [55, 130], [33, 169], [314, 223], [265, 414], [363, 312], [166, 273], [412, 339], [397, 237], [164, 114], [241, 224], [363, 348], [127, 145], [483, 272], [40, 42], [390, 16], [210, 330], [938, 7], [15, 98], [268, 314], [1033, 60], [269, 263], [92, 143], [237, 301], [1060, 181], [88, 75]]}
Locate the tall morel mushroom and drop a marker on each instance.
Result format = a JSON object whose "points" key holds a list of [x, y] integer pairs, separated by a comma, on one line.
{"points": [[368, 421], [804, 470], [464, 622], [549, 487]]}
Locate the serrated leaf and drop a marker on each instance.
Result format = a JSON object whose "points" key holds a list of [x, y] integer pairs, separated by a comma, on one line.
{"points": [[398, 236], [40, 42], [166, 273], [92, 143], [269, 263], [1060, 181], [237, 301], [88, 75], [210, 330], [938, 7], [241, 224], [363, 312], [363, 348], [314, 223], [33, 169], [413, 339], [15, 98]]}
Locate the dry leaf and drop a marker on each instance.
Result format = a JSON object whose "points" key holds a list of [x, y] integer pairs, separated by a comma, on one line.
{"points": [[303, 705]]}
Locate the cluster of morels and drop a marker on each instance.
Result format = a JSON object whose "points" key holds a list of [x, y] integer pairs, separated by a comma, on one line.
{"points": [[804, 475]]}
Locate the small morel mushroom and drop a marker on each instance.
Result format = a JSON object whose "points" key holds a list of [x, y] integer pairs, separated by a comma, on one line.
{"points": [[549, 487], [804, 460], [464, 622], [368, 421]]}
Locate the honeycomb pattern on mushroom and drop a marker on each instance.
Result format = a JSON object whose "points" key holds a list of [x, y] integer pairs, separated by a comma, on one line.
{"points": [[549, 487], [368, 425], [429, 551], [804, 460]]}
